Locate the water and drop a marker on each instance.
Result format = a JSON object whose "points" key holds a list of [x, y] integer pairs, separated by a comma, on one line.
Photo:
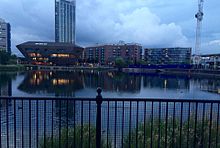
{"points": [[114, 84], [84, 84]]}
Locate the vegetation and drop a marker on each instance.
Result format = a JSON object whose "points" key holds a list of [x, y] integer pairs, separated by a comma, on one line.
{"points": [[173, 136], [170, 138], [12, 68], [49, 143], [141, 62], [7, 59], [119, 62]]}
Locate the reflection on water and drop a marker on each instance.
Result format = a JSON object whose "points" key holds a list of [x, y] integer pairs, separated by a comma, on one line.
{"points": [[67, 83], [114, 84], [6, 83], [166, 82], [59, 83], [48, 116]]}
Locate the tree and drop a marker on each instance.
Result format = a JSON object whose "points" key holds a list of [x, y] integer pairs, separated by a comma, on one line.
{"points": [[141, 62], [119, 62], [4, 57]]}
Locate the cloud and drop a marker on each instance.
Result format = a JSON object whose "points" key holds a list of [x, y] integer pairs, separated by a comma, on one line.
{"points": [[131, 21], [29, 19], [210, 47], [215, 42], [150, 22]]}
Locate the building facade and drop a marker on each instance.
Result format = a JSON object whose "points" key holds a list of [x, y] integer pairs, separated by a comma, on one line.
{"points": [[5, 36], [107, 54], [210, 61], [167, 56], [50, 53], [65, 21]]}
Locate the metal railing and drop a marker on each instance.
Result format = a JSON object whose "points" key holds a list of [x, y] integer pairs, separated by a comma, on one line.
{"points": [[108, 122]]}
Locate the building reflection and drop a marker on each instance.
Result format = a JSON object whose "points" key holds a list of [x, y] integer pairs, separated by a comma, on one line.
{"points": [[210, 85], [65, 111], [113, 81], [58, 83], [166, 82], [67, 83], [5, 87]]}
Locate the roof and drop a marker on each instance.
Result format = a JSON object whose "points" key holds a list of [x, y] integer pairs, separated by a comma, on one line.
{"points": [[171, 48], [210, 55], [54, 44], [118, 44]]}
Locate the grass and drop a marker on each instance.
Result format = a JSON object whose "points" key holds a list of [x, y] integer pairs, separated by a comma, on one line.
{"points": [[172, 137], [11, 67], [74, 136], [160, 137]]}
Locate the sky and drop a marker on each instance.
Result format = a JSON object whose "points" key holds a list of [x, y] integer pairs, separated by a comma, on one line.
{"points": [[152, 23]]}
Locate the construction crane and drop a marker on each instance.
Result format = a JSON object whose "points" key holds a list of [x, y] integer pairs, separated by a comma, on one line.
{"points": [[199, 17]]}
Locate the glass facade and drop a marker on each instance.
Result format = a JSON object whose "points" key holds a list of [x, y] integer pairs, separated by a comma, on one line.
{"points": [[167, 56], [65, 21], [51, 53], [5, 36]]}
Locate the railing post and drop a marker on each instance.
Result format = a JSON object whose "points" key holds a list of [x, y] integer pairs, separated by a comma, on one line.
{"points": [[98, 118]]}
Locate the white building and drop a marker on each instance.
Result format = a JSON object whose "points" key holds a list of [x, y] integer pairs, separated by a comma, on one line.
{"points": [[5, 36], [210, 61]]}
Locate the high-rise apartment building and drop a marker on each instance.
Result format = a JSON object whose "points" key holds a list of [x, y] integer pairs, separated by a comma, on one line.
{"points": [[65, 21], [5, 36]]}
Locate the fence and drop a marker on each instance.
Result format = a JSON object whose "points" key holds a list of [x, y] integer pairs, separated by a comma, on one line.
{"points": [[108, 122]]}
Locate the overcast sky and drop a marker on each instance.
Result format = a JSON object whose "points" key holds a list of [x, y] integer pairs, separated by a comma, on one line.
{"points": [[152, 23]]}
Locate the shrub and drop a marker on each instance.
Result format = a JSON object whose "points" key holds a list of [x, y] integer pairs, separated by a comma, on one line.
{"points": [[69, 142], [173, 134]]}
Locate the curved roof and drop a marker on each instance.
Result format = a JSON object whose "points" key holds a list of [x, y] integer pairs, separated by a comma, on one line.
{"points": [[54, 44]]}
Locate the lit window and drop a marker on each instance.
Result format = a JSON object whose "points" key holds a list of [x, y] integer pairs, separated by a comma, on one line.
{"points": [[60, 55], [63, 55], [32, 54], [54, 55], [38, 55], [40, 43]]}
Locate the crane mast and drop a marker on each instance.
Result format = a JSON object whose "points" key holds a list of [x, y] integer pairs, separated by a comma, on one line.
{"points": [[199, 17]]}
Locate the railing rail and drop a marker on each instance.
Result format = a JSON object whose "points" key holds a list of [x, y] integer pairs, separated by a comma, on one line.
{"points": [[108, 122], [195, 100]]}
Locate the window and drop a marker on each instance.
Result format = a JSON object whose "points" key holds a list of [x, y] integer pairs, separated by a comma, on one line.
{"points": [[60, 55], [32, 54]]}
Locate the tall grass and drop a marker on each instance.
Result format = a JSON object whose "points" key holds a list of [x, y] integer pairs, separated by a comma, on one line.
{"points": [[191, 136], [74, 139]]}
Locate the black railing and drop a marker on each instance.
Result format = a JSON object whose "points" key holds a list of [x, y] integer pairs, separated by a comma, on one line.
{"points": [[108, 122]]}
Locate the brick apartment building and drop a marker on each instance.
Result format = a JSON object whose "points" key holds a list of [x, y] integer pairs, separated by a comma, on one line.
{"points": [[107, 54]]}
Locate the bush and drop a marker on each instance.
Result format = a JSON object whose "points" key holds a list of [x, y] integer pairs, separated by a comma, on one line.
{"points": [[6, 58], [202, 134], [119, 62], [49, 143]]}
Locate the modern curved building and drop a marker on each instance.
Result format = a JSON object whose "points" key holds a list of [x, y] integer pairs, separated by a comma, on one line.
{"points": [[51, 53]]}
